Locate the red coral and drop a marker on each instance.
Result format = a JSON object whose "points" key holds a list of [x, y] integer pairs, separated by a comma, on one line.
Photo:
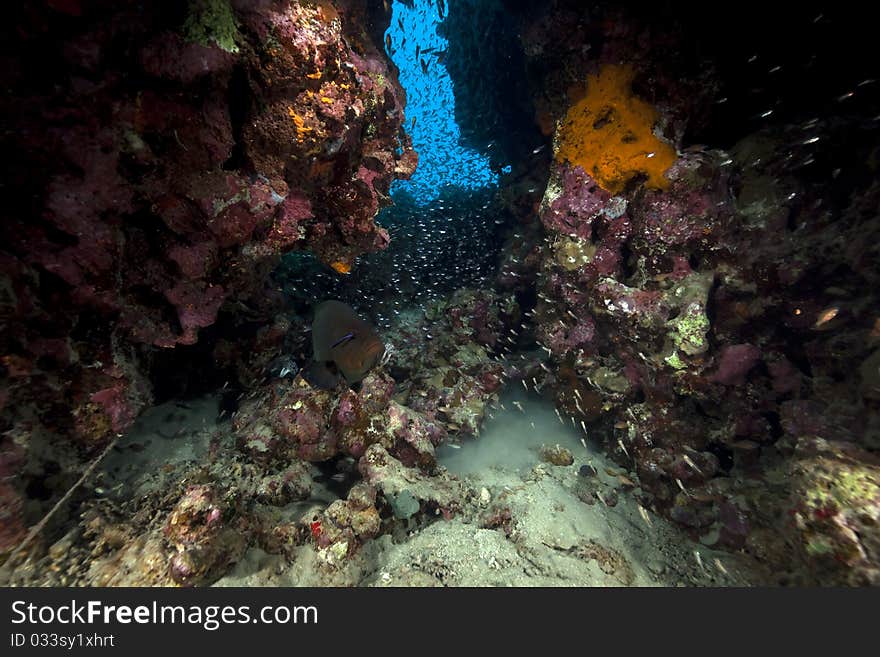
{"points": [[168, 56], [580, 202], [735, 362], [197, 306], [116, 405]]}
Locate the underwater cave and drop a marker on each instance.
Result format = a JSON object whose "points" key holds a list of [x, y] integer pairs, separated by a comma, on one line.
{"points": [[605, 279]]}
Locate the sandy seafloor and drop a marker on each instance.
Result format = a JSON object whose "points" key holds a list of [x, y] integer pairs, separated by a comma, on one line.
{"points": [[554, 539]]}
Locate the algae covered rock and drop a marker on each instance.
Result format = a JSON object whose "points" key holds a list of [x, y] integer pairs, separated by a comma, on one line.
{"points": [[837, 511], [442, 493], [556, 454]]}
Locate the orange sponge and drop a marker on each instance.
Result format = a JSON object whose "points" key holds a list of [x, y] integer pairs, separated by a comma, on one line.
{"points": [[341, 267], [609, 133]]}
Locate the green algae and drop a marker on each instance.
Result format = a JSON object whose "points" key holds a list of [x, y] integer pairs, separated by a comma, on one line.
{"points": [[212, 22], [674, 361], [844, 487], [470, 355], [689, 330], [609, 379]]}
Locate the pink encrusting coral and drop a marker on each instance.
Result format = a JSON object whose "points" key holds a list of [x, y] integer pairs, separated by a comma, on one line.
{"points": [[707, 317], [166, 158], [698, 307], [204, 531], [735, 362], [575, 201], [278, 127]]}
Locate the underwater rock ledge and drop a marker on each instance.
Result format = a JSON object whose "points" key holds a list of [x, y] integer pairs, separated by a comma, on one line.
{"points": [[711, 316], [706, 314], [160, 159]]}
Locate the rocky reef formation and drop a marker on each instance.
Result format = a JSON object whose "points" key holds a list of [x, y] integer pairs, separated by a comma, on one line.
{"points": [[709, 313], [259, 480], [699, 301], [158, 162]]}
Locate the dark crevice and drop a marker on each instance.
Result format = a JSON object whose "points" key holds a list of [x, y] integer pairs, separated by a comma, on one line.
{"points": [[627, 262], [793, 348], [776, 430], [724, 455], [239, 99]]}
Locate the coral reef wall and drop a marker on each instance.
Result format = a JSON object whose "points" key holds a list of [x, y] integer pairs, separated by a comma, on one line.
{"points": [[711, 310], [690, 273], [159, 158]]}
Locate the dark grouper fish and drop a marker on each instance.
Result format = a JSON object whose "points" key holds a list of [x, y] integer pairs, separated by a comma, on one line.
{"points": [[342, 340]]}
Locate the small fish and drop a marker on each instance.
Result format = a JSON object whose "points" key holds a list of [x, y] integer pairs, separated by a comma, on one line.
{"points": [[626, 482], [681, 486], [720, 566], [687, 459], [644, 514], [826, 316]]}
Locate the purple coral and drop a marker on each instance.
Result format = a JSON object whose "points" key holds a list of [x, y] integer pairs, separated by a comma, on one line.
{"points": [[735, 362]]}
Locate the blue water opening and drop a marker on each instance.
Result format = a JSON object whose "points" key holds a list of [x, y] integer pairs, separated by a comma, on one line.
{"points": [[418, 51], [446, 223]]}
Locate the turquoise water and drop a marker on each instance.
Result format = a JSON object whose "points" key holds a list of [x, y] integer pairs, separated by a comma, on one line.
{"points": [[417, 50]]}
